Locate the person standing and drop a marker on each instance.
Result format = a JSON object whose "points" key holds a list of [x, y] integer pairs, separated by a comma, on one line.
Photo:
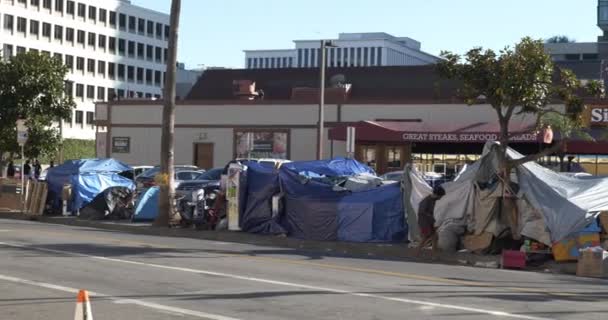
{"points": [[52, 165], [426, 220], [10, 171], [27, 169], [37, 169]]}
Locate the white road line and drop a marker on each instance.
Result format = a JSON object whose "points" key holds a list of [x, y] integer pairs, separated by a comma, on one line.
{"points": [[146, 304], [288, 284]]}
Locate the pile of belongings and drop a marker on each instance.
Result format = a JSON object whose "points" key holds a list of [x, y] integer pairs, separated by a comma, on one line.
{"points": [[479, 206], [113, 203]]}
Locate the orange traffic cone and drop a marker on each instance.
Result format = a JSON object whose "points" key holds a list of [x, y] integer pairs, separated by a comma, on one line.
{"points": [[83, 306]]}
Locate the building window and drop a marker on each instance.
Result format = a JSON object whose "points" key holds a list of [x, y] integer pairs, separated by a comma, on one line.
{"points": [[141, 50], [131, 48], [167, 31], [140, 75], [254, 63], [80, 91], [34, 27], [249, 63], [120, 93], [266, 144], [82, 9], [70, 7], [46, 30], [122, 21], [111, 70], [92, 13], [373, 55], [69, 62], [159, 30], [379, 57], [148, 76], [121, 46], [573, 57], [359, 57], [150, 28], [159, 54], [141, 26], [299, 58], [590, 56], [58, 32], [8, 51], [8, 22], [91, 92], [103, 15], [157, 78], [101, 41], [113, 19], [101, 93], [149, 52], [79, 114], [121, 71], [21, 24], [35, 3], [112, 44], [90, 115], [69, 35], [80, 63], [306, 58], [351, 57], [92, 39], [80, 35], [365, 56], [57, 56], [68, 88], [130, 73], [20, 50], [166, 55], [291, 62], [59, 5], [46, 4], [111, 94], [91, 65], [394, 157], [101, 67], [132, 24]]}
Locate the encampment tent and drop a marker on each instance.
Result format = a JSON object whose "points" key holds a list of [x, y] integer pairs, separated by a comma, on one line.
{"points": [[549, 206], [147, 205], [88, 178]]}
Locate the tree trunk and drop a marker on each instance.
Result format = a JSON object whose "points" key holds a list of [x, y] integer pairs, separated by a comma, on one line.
{"points": [[166, 208]]}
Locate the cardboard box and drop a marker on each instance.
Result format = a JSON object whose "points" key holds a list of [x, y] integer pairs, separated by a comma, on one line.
{"points": [[565, 250], [588, 240], [476, 243], [593, 263]]}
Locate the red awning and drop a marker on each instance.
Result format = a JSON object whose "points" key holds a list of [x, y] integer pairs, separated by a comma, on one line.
{"points": [[411, 131]]}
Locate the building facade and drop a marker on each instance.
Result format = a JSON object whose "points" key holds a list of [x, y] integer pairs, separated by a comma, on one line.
{"points": [[349, 50], [113, 49]]}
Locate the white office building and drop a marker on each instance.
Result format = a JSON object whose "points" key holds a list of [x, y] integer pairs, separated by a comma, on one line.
{"points": [[349, 50], [113, 49]]}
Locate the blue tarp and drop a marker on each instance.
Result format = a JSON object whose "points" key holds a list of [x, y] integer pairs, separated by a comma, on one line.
{"points": [[313, 210], [88, 178], [147, 205]]}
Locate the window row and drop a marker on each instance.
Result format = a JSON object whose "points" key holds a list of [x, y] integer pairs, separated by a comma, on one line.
{"points": [[342, 57], [91, 92], [266, 63], [113, 45], [112, 18]]}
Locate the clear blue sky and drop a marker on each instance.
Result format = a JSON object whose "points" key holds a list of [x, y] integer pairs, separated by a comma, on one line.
{"points": [[215, 32]]}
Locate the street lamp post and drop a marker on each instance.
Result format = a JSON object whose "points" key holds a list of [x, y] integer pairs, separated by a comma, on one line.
{"points": [[321, 125]]}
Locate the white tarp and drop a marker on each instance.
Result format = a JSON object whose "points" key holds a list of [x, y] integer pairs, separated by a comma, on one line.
{"points": [[567, 204]]}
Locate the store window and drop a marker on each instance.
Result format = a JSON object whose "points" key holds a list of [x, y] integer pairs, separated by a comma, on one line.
{"points": [[369, 156], [394, 158], [258, 144]]}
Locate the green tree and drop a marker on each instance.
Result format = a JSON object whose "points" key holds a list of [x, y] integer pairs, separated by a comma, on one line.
{"points": [[560, 39], [521, 80], [32, 87]]}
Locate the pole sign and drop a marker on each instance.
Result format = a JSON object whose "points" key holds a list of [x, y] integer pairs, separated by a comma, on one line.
{"points": [[21, 133], [350, 140]]}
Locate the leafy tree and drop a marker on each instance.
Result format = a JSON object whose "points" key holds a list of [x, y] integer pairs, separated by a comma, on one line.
{"points": [[521, 80], [32, 87], [560, 39]]}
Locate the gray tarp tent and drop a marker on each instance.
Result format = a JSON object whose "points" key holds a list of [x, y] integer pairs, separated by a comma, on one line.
{"points": [[550, 205]]}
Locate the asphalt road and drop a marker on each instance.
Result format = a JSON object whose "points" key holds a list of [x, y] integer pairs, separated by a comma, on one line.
{"points": [[143, 277]]}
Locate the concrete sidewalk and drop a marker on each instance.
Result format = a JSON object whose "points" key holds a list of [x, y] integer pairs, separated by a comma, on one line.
{"points": [[396, 251]]}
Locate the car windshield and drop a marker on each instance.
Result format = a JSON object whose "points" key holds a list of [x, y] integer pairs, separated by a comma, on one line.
{"points": [[187, 175], [150, 173], [213, 174]]}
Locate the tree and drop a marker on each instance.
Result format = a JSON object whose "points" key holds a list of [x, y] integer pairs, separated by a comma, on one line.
{"points": [[166, 209], [560, 39], [32, 87], [521, 80]]}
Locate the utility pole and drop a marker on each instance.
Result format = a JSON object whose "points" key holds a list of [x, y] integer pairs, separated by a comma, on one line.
{"points": [[321, 124], [166, 208]]}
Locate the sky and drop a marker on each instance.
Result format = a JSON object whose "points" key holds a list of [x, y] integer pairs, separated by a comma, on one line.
{"points": [[214, 33]]}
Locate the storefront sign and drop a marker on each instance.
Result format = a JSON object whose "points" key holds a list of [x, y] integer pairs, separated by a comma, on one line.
{"points": [[599, 116], [464, 137], [121, 144]]}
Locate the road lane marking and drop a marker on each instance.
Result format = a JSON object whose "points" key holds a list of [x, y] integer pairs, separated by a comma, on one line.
{"points": [[146, 304], [285, 284]]}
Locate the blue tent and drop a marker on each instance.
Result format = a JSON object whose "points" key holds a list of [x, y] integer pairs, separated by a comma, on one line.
{"points": [[313, 210], [262, 183], [147, 205], [88, 178]]}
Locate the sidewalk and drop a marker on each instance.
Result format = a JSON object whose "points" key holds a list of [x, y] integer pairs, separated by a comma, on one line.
{"points": [[365, 250]]}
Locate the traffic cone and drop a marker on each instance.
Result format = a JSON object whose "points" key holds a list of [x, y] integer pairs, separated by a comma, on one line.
{"points": [[83, 306]]}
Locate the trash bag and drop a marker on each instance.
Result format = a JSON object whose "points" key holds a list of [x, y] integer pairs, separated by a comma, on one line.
{"points": [[112, 203]]}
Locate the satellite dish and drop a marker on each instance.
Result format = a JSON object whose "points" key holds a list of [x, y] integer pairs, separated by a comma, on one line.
{"points": [[337, 80]]}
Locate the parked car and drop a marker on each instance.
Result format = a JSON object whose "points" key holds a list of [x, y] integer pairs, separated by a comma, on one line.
{"points": [[393, 176], [135, 172], [196, 199], [182, 173], [274, 163]]}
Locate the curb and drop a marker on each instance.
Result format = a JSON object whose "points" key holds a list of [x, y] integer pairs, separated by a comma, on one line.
{"points": [[386, 251]]}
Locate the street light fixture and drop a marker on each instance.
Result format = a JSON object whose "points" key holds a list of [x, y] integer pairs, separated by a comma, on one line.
{"points": [[321, 125]]}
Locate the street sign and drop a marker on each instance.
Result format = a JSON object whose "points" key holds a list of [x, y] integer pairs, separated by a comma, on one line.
{"points": [[21, 132]]}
